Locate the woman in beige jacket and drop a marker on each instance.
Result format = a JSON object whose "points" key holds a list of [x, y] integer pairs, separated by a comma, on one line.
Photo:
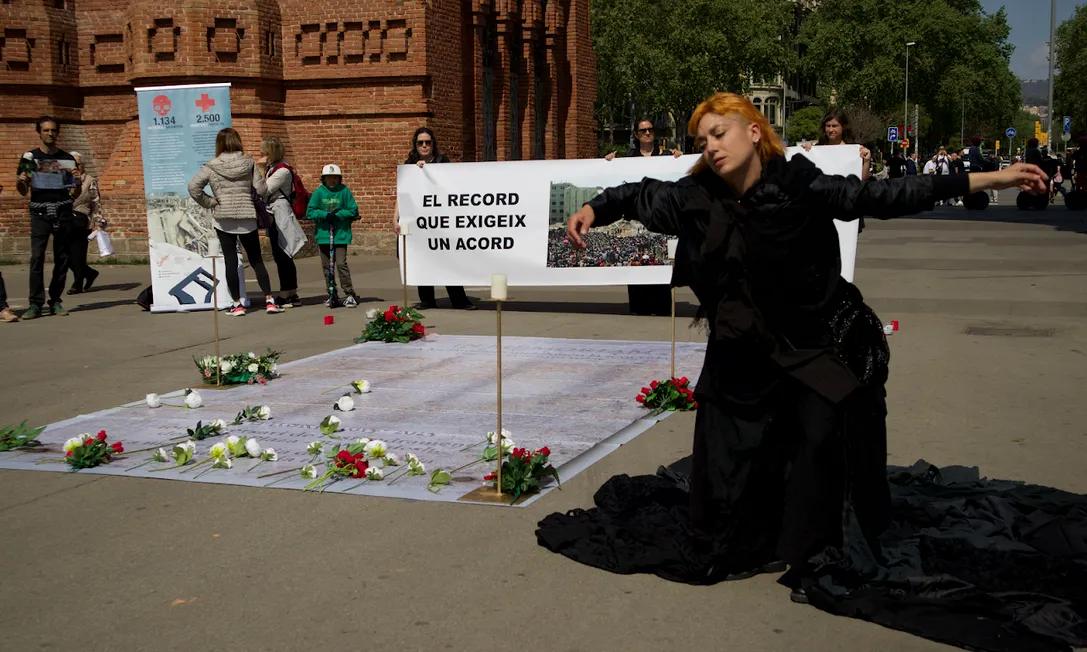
{"points": [[233, 176], [87, 211]]}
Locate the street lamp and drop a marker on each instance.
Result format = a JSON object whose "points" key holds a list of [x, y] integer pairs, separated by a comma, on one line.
{"points": [[906, 107]]}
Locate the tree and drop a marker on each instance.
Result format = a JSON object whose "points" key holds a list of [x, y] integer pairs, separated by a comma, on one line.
{"points": [[1070, 84], [804, 124], [857, 51], [656, 62]]}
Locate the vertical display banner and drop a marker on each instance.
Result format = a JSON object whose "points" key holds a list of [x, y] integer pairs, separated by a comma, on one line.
{"points": [[471, 220], [178, 126]]}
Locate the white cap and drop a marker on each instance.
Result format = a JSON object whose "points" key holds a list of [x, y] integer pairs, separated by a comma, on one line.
{"points": [[331, 170]]}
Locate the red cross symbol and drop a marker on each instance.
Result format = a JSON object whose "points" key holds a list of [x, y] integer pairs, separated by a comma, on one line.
{"points": [[205, 102]]}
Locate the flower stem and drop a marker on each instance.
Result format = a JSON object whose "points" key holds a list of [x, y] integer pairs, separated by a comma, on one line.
{"points": [[256, 465], [270, 475], [50, 460], [461, 468], [200, 463], [402, 474], [210, 468], [337, 387], [140, 450], [167, 468], [355, 486], [485, 441], [139, 465]]}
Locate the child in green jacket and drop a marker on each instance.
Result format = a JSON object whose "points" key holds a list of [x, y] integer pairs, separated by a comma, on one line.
{"points": [[332, 208]]}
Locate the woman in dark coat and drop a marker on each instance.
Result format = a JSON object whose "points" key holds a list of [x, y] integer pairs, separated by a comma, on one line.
{"points": [[424, 150], [789, 437]]}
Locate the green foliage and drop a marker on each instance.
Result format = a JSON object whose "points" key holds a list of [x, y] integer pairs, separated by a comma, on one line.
{"points": [[1069, 87], [804, 124], [240, 368], [394, 325], [523, 471], [670, 395], [856, 49], [662, 62], [20, 436]]}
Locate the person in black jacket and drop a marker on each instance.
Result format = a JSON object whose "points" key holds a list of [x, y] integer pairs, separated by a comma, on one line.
{"points": [[648, 299], [790, 428], [424, 149]]}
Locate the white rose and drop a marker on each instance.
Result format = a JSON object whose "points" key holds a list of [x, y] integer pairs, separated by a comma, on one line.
{"points": [[373, 473], [315, 448], [153, 401], [345, 404], [232, 442], [391, 460], [269, 455], [362, 440], [273, 368], [252, 448], [189, 446], [193, 400], [226, 367], [416, 468], [492, 437], [362, 386], [309, 472], [412, 459], [218, 424], [264, 413], [218, 451], [371, 313], [376, 449], [74, 442], [253, 368], [161, 455], [252, 356], [223, 463]]}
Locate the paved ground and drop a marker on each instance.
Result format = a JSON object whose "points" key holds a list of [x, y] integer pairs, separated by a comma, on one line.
{"points": [[106, 563]]}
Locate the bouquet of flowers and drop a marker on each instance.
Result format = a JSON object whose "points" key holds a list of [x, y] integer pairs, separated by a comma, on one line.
{"points": [[239, 368], [12, 437], [523, 470], [86, 452], [349, 462], [394, 325], [672, 395]]}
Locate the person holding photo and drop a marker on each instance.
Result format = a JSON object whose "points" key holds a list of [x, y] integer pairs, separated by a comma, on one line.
{"points": [[50, 176]]}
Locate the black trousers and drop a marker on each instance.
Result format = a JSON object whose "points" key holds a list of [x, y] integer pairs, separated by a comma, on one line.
{"points": [[251, 243], [288, 273], [456, 293], [63, 231], [650, 299], [80, 244], [3, 293]]}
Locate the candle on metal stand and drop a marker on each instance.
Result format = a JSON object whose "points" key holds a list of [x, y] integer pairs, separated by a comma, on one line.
{"points": [[405, 230], [498, 287], [673, 333], [499, 294]]}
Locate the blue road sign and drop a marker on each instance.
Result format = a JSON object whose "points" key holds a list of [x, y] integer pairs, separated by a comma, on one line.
{"points": [[1010, 133], [892, 134], [1067, 123]]}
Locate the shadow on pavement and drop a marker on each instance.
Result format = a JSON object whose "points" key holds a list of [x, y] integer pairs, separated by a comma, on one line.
{"points": [[1057, 216]]}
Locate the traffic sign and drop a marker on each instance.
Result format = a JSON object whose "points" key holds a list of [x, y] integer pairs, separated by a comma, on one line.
{"points": [[1067, 124], [892, 134], [1010, 132]]}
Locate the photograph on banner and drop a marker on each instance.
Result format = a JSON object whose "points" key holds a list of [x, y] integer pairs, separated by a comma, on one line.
{"points": [[467, 221], [178, 127], [623, 244]]}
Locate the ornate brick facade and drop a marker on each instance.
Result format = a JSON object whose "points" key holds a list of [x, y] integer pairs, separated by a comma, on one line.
{"points": [[336, 81]]}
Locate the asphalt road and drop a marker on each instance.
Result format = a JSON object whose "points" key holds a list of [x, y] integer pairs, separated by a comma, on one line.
{"points": [[989, 368]]}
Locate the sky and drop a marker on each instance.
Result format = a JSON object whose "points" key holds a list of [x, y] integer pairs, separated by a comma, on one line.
{"points": [[1029, 20]]}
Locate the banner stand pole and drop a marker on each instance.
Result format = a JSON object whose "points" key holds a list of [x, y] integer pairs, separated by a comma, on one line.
{"points": [[673, 333], [498, 438], [404, 262]]}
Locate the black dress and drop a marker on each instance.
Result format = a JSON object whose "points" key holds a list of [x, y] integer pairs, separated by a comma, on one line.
{"points": [[789, 451]]}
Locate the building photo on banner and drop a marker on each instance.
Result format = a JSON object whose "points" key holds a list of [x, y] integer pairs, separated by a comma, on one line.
{"points": [[464, 222], [178, 126]]}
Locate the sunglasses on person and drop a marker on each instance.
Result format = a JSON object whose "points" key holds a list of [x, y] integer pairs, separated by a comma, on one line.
{"points": [[647, 130], [428, 143]]}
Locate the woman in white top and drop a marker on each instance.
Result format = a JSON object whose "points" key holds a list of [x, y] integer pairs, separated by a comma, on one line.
{"points": [[285, 235]]}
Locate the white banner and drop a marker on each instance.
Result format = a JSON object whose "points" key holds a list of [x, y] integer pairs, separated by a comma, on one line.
{"points": [[467, 221]]}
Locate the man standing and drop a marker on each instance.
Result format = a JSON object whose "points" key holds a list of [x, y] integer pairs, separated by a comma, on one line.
{"points": [[648, 299], [911, 164], [50, 175], [897, 166]]}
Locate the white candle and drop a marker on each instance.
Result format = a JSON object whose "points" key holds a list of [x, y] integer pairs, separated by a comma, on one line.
{"points": [[498, 286], [405, 228], [214, 249]]}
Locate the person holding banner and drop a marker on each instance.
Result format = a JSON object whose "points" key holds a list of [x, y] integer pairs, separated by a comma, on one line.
{"points": [[233, 178], [424, 149], [790, 437]]}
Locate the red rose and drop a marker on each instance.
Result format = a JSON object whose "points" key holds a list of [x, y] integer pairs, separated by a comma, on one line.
{"points": [[360, 467], [88, 442], [545, 451], [646, 390], [390, 315], [640, 398], [344, 456], [683, 381], [418, 328], [262, 381], [653, 385], [101, 435], [395, 309], [695, 405], [117, 447], [68, 454], [491, 476]]}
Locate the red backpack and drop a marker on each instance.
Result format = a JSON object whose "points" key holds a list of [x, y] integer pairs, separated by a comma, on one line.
{"points": [[299, 197]]}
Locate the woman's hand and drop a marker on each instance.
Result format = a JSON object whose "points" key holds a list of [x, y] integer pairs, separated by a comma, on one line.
{"points": [[579, 225], [806, 145], [866, 154], [420, 164], [396, 227], [1026, 177], [676, 153], [610, 156]]}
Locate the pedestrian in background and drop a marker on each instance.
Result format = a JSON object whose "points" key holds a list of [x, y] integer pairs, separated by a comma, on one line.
{"points": [[332, 208], [87, 213], [284, 234]]}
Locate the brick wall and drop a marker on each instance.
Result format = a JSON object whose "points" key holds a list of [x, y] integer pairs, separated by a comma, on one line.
{"points": [[344, 83]]}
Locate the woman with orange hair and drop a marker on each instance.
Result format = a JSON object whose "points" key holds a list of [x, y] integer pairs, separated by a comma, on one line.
{"points": [[794, 357]]}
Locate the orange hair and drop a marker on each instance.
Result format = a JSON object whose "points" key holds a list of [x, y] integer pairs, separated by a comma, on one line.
{"points": [[769, 145]]}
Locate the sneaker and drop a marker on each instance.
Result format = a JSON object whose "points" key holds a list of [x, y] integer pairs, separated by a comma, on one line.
{"points": [[7, 316], [333, 301], [350, 301], [271, 308], [423, 305], [292, 301], [89, 279], [33, 312], [58, 310], [237, 310]]}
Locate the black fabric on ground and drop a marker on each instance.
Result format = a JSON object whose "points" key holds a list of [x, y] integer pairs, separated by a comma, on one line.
{"points": [[981, 564]]}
